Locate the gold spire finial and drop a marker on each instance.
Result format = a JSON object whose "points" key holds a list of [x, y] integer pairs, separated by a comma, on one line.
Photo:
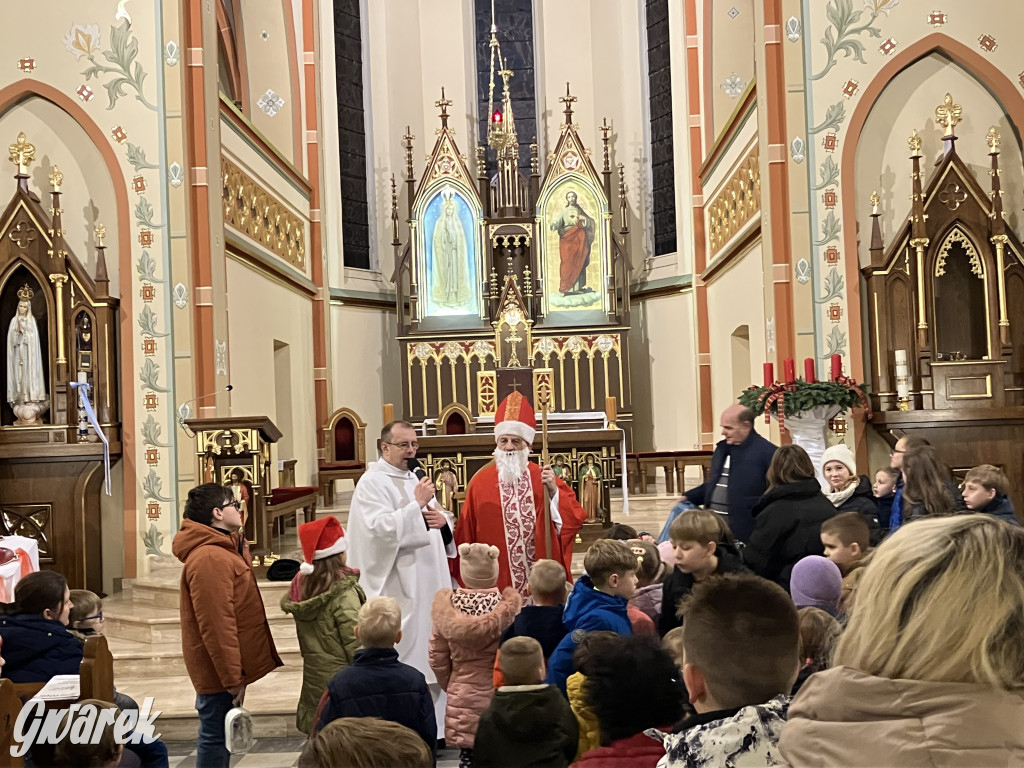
{"points": [[22, 153], [875, 200], [56, 179], [443, 104], [914, 142], [948, 114], [992, 139], [101, 233]]}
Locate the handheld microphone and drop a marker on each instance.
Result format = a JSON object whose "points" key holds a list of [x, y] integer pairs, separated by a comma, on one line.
{"points": [[414, 467], [184, 411]]}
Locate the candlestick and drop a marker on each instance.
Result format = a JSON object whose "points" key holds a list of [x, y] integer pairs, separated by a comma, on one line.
{"points": [[611, 410], [837, 367], [810, 375], [388, 412], [789, 369], [769, 374], [901, 357]]}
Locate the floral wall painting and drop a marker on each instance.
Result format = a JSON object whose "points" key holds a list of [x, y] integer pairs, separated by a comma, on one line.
{"points": [[574, 246], [452, 283]]}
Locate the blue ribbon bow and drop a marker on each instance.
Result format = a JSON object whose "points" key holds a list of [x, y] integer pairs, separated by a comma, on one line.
{"points": [[83, 398]]}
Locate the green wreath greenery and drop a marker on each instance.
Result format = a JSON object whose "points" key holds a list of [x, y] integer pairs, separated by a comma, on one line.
{"points": [[799, 396]]}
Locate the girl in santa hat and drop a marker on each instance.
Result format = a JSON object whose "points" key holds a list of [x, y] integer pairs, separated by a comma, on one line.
{"points": [[324, 600]]}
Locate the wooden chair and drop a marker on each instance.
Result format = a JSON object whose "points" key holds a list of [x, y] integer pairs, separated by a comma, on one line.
{"points": [[455, 419], [345, 448]]}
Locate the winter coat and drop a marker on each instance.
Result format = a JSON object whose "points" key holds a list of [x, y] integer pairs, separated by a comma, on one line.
{"points": [[586, 720], [648, 600], [852, 574], [679, 584], [377, 684], [788, 528], [748, 467], [845, 717], [325, 625], [225, 638], [640, 621], [884, 506], [467, 627], [636, 751], [916, 511], [35, 649], [863, 501], [1001, 507], [588, 609], [747, 737], [541, 622], [526, 726]]}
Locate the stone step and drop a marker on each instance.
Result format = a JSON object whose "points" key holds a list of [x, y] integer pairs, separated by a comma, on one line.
{"points": [[272, 702], [133, 658], [164, 592], [130, 620]]}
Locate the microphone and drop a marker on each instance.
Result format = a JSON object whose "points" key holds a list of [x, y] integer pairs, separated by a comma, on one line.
{"points": [[184, 411], [414, 467]]}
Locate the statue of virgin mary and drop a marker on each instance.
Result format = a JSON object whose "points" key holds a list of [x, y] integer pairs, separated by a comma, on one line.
{"points": [[451, 288], [26, 384]]}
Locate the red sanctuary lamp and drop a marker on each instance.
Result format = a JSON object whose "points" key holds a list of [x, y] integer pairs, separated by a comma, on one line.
{"points": [[496, 117]]}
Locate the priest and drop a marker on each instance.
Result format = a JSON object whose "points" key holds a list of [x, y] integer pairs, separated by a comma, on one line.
{"points": [[400, 540], [504, 503]]}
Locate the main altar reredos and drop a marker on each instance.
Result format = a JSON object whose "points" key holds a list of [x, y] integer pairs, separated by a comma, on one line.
{"points": [[505, 280]]}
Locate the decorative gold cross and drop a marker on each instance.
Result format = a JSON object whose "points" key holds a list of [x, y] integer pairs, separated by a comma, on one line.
{"points": [[992, 139], [948, 114], [568, 100], [22, 153], [914, 142]]}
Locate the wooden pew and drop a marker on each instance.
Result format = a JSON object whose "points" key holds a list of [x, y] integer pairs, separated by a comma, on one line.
{"points": [[10, 708], [96, 675]]}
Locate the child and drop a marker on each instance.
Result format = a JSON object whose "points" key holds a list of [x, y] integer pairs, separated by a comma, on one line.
{"points": [[576, 688], [467, 627], [817, 582], [324, 600], [672, 644], [598, 601], [364, 742], [884, 490], [543, 620], [377, 684], [649, 575], [739, 686], [819, 634], [85, 620], [845, 538], [633, 685], [985, 489], [703, 546], [527, 722]]}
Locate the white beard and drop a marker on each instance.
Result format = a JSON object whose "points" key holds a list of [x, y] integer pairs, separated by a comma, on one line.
{"points": [[512, 465]]}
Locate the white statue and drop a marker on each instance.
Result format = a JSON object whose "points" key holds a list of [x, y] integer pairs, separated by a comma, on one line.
{"points": [[26, 384], [451, 288]]}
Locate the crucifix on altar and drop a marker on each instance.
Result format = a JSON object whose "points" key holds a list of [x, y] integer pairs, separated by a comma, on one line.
{"points": [[515, 380]]}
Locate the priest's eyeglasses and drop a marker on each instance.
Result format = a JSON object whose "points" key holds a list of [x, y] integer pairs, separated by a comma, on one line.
{"points": [[404, 446]]}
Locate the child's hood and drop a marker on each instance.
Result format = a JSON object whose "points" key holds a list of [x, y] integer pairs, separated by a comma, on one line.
{"points": [[311, 609], [526, 712]]}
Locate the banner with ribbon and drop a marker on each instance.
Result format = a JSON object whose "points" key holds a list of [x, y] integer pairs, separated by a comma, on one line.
{"points": [[83, 398]]}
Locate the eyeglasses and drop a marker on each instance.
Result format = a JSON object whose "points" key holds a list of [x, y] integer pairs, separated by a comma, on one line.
{"points": [[98, 617], [232, 503], [403, 446], [894, 451]]}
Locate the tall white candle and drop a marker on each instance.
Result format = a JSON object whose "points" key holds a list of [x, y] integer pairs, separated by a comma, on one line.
{"points": [[901, 357]]}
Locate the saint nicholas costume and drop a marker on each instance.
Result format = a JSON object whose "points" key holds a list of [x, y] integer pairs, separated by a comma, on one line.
{"points": [[511, 515], [398, 556]]}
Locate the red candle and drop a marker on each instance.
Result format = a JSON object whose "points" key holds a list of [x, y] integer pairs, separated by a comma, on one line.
{"points": [[789, 369], [769, 374], [837, 366], [809, 373]]}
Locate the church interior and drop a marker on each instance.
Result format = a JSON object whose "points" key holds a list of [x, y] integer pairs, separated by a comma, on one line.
{"points": [[241, 237]]}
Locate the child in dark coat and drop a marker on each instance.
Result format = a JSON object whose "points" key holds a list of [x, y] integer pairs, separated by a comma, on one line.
{"points": [[527, 723], [985, 489], [543, 620], [377, 684], [704, 547]]}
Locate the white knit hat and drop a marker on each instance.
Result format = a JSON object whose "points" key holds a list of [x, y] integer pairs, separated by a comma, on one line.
{"points": [[841, 453]]}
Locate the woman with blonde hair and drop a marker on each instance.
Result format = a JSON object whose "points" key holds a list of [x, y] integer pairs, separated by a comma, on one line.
{"points": [[930, 670], [788, 517]]}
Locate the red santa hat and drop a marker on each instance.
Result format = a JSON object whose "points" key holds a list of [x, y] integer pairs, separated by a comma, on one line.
{"points": [[515, 416], [319, 539]]}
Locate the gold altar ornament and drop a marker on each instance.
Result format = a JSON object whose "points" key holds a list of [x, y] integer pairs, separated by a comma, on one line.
{"points": [[948, 114], [992, 138], [25, 293], [101, 233], [56, 179], [875, 200], [22, 153], [914, 142]]}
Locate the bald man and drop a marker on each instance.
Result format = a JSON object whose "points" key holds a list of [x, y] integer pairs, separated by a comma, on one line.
{"points": [[738, 469]]}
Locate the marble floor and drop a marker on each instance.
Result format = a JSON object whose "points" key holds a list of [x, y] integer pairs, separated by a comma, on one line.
{"points": [[144, 631]]}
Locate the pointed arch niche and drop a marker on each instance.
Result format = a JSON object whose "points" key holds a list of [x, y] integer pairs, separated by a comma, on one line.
{"points": [[89, 196], [907, 103]]}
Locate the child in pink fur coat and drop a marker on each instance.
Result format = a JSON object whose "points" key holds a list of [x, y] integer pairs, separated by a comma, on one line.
{"points": [[467, 629]]}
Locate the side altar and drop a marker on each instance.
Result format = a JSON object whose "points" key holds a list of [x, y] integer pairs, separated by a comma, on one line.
{"points": [[503, 277]]}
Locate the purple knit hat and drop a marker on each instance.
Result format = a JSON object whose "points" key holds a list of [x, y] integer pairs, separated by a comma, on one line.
{"points": [[816, 581]]}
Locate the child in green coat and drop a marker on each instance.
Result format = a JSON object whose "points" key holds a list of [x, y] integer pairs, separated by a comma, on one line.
{"points": [[324, 600]]}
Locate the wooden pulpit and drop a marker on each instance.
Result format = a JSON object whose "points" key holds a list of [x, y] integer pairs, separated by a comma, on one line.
{"points": [[234, 451]]}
